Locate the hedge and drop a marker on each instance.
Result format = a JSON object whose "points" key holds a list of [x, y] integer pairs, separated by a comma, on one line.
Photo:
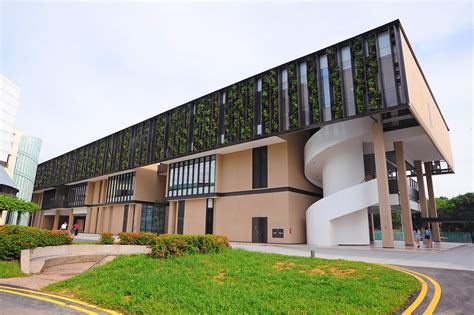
{"points": [[106, 238], [15, 238], [168, 245]]}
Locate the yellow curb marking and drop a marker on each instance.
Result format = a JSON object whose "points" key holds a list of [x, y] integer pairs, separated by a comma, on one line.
{"points": [[437, 289], [421, 296], [83, 310], [62, 298]]}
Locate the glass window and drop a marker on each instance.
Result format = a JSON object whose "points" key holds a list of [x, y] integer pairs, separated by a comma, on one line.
{"points": [[121, 187], [348, 80], [285, 102], [284, 79], [324, 72], [259, 85], [346, 57], [259, 167], [384, 44], [153, 218], [304, 97]]}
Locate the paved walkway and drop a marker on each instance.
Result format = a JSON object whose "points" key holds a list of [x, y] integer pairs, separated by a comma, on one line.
{"points": [[450, 256]]}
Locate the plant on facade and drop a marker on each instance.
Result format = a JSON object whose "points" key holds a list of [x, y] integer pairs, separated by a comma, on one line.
{"points": [[138, 140], [106, 238], [247, 117], [200, 129], [146, 142], [118, 151], [15, 238], [266, 123], [100, 157], [357, 51], [274, 103], [108, 159], [127, 137], [178, 131], [231, 119], [169, 245], [335, 83], [372, 74], [160, 125], [293, 96], [214, 121], [313, 89]]}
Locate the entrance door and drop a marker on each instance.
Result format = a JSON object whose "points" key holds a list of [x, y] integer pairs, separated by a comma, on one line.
{"points": [[259, 229]]}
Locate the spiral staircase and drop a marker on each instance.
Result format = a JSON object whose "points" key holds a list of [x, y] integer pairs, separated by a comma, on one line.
{"points": [[334, 160]]}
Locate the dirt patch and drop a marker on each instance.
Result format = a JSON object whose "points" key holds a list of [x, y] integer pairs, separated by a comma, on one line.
{"points": [[342, 273], [127, 297], [219, 277], [283, 266]]}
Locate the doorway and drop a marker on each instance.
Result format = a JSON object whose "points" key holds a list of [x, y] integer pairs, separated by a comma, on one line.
{"points": [[259, 229]]}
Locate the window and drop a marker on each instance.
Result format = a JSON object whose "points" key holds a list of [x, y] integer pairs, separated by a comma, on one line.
{"points": [[324, 72], [125, 219], [258, 108], [348, 81], [192, 177], [76, 195], [210, 216], [221, 117], [121, 188], [180, 227], [303, 86], [259, 167], [153, 218], [285, 102], [389, 85]]}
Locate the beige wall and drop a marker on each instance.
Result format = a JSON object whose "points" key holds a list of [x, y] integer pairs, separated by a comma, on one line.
{"points": [[235, 171], [195, 216], [423, 105], [147, 184]]}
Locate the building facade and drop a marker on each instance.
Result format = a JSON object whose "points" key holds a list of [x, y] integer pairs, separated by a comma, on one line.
{"points": [[305, 152], [9, 96]]}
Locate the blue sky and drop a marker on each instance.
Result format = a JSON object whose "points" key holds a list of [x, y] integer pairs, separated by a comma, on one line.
{"points": [[87, 69]]}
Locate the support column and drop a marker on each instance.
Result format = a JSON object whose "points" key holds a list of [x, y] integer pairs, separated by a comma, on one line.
{"points": [[56, 220], [137, 219], [131, 215], [106, 221], [88, 221], [432, 202], [421, 189], [71, 219], [382, 184], [372, 228], [403, 189], [93, 221]]}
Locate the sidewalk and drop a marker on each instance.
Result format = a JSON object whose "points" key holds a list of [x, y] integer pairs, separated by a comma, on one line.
{"points": [[446, 256]]}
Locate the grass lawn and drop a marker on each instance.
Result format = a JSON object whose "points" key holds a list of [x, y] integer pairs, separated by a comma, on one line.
{"points": [[10, 269], [238, 281]]}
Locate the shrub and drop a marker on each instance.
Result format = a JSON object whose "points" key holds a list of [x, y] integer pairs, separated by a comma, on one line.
{"points": [[168, 245], [15, 238], [145, 238], [106, 238]]}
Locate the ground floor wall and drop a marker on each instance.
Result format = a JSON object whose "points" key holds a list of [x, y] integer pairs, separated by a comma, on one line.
{"points": [[280, 215]]}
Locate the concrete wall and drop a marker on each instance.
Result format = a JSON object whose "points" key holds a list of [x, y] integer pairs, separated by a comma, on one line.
{"points": [[147, 184], [423, 105]]}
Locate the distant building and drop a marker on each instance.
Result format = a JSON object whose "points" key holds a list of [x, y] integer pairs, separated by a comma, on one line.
{"points": [[19, 153]]}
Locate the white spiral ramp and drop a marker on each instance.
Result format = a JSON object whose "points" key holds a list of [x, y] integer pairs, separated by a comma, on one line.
{"points": [[334, 160]]}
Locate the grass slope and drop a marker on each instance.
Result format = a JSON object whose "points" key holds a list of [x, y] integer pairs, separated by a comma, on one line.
{"points": [[238, 281], [10, 269]]}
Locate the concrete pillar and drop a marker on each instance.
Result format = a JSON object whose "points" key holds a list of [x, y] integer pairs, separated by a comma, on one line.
{"points": [[421, 189], [40, 219], [432, 202], [403, 189], [56, 220], [93, 221], [137, 219], [88, 221], [71, 219], [107, 218], [382, 184], [372, 228], [131, 214]]}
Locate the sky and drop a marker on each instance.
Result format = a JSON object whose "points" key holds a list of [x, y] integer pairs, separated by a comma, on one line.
{"points": [[89, 68]]}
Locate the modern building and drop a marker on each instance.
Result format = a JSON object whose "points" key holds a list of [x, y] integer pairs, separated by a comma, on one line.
{"points": [[307, 151], [9, 95]]}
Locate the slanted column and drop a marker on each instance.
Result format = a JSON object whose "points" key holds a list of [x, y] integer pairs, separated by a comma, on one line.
{"points": [[382, 185], [432, 202], [403, 189], [56, 220], [421, 189], [71, 219]]}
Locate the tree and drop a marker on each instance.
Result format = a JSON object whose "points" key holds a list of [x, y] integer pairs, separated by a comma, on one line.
{"points": [[11, 203], [460, 207]]}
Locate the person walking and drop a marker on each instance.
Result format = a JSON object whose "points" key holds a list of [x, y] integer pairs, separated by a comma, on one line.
{"points": [[75, 228], [428, 237], [417, 236], [64, 226]]}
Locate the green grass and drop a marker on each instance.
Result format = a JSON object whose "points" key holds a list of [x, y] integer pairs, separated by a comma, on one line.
{"points": [[237, 281], [10, 269]]}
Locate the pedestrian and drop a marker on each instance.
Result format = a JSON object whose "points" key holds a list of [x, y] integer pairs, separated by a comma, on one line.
{"points": [[75, 228], [64, 226], [417, 237], [428, 237]]}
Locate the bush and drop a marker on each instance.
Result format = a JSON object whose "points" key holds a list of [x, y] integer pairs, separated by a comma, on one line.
{"points": [[15, 238], [168, 245], [106, 238], [146, 238]]}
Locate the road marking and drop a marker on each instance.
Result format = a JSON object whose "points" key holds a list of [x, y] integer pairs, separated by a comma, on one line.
{"points": [[77, 308], [436, 295], [424, 289], [62, 298]]}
